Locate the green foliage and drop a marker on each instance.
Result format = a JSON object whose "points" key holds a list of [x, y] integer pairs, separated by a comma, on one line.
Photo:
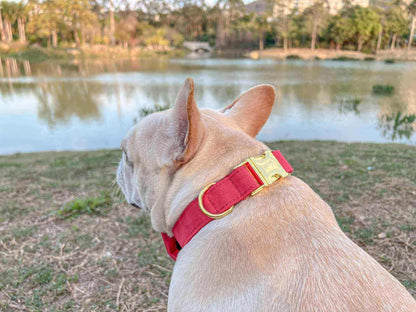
{"points": [[157, 38], [396, 22], [89, 205], [366, 23], [344, 59], [157, 108], [397, 125], [390, 61], [340, 29], [350, 104], [383, 89], [158, 25], [369, 59], [293, 57]]}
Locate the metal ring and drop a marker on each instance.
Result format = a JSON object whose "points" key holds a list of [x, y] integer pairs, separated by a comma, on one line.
{"points": [[209, 214]]}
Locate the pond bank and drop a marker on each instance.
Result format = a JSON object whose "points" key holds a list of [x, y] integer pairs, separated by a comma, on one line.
{"points": [[68, 241], [40, 54], [307, 54]]}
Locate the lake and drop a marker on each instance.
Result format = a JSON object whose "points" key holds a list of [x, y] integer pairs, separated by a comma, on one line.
{"points": [[84, 105]]}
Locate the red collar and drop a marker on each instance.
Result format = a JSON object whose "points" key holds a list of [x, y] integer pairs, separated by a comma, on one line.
{"points": [[217, 200]]}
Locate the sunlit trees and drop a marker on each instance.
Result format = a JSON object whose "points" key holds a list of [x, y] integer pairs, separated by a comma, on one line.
{"points": [[225, 23], [412, 12], [396, 24], [8, 10], [315, 19], [366, 23], [340, 30]]}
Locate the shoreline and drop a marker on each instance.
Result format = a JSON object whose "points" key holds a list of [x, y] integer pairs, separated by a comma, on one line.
{"points": [[102, 52], [5, 155], [325, 54]]}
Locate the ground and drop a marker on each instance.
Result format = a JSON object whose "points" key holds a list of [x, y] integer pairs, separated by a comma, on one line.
{"points": [[69, 243]]}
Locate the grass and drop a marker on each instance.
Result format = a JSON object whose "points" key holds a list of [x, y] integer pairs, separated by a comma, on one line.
{"points": [[157, 108], [93, 205], [383, 89], [66, 244]]}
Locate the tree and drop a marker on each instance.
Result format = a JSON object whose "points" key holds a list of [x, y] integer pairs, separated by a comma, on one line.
{"points": [[366, 23], [340, 30], [78, 16], [21, 19], [412, 11], [396, 24], [9, 17], [315, 18]]}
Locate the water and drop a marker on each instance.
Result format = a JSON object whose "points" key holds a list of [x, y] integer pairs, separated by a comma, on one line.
{"points": [[91, 104]]}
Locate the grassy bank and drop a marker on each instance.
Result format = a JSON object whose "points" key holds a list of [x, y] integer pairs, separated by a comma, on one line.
{"points": [[68, 242], [389, 56], [39, 54]]}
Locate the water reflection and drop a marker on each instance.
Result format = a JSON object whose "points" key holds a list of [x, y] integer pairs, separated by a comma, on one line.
{"points": [[397, 126], [92, 104], [61, 101], [349, 104]]}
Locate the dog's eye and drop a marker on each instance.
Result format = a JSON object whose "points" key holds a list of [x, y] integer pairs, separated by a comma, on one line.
{"points": [[126, 158]]}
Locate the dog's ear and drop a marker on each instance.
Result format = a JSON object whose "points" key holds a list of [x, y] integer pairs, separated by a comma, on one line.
{"points": [[252, 109], [187, 121]]}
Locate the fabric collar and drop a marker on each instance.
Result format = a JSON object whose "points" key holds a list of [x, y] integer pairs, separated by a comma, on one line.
{"points": [[217, 200]]}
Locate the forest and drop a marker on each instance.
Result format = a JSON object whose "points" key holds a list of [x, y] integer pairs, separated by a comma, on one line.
{"points": [[225, 24]]}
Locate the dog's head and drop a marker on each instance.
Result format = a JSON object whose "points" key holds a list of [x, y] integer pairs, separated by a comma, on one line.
{"points": [[165, 153]]}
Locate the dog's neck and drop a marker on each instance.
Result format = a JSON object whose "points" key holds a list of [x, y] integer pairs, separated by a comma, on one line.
{"points": [[209, 165]]}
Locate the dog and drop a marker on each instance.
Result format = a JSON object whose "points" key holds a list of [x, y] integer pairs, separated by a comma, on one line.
{"points": [[279, 250]]}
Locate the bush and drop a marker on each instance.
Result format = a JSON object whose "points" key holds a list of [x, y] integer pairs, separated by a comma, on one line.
{"points": [[344, 59], [369, 59], [383, 89], [390, 61], [293, 57]]}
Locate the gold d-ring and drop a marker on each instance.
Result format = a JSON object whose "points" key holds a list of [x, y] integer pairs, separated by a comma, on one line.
{"points": [[209, 214]]}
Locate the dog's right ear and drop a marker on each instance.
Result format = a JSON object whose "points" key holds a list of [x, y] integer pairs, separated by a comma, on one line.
{"points": [[188, 129], [252, 109]]}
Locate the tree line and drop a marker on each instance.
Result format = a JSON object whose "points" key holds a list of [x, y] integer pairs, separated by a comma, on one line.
{"points": [[226, 24]]}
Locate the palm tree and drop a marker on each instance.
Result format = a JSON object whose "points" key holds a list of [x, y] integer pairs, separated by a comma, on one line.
{"points": [[316, 16], [21, 18], [412, 11], [9, 10]]}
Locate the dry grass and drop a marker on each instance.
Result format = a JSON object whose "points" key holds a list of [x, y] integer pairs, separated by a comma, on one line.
{"points": [[69, 243]]}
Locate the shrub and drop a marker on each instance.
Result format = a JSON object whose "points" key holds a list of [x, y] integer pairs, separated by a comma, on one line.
{"points": [[344, 58], [383, 89], [293, 57], [390, 61], [369, 59]]}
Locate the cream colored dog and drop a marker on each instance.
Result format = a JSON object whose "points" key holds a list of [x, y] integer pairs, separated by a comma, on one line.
{"points": [[280, 250]]}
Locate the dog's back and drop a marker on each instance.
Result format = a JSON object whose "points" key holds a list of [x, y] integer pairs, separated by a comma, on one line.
{"points": [[282, 250]]}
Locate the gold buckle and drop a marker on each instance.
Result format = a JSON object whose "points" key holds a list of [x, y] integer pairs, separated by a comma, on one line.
{"points": [[206, 212], [267, 168]]}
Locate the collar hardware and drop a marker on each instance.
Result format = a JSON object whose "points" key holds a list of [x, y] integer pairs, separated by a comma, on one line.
{"points": [[217, 200], [267, 168]]}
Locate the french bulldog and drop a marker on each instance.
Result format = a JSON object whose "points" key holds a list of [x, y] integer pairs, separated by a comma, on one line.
{"points": [[280, 250]]}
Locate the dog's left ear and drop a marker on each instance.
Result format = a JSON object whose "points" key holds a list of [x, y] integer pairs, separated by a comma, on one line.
{"points": [[188, 127], [252, 109]]}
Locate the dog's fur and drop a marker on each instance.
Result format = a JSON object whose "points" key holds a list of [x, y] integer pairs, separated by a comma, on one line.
{"points": [[280, 250]]}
